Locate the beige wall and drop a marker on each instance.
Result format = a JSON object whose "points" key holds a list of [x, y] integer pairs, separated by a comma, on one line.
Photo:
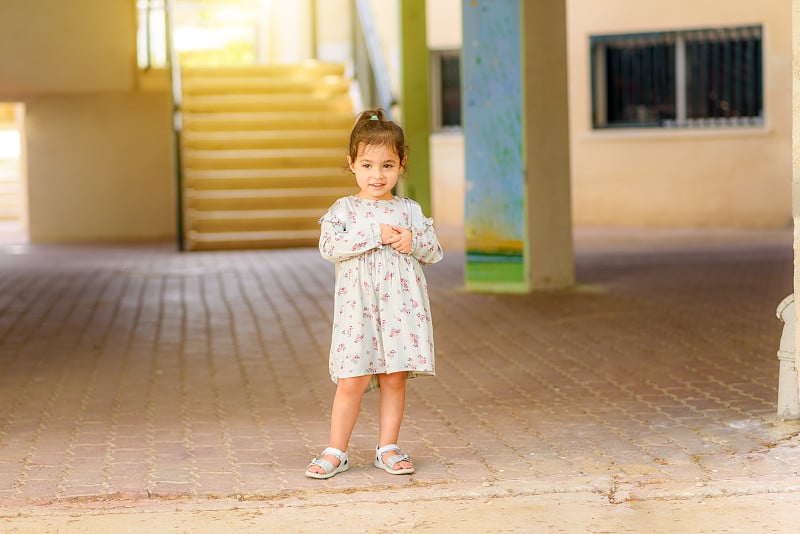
{"points": [[444, 23], [447, 187], [51, 46], [99, 167], [97, 147], [701, 177], [288, 31], [334, 30]]}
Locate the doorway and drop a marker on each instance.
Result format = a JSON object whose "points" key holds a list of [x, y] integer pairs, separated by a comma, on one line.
{"points": [[13, 190]]}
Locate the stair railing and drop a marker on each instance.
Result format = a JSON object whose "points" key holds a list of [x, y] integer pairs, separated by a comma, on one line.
{"points": [[177, 115], [370, 68]]}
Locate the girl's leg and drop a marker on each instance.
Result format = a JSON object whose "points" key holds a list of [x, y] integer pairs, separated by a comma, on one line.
{"points": [[391, 406], [346, 405]]}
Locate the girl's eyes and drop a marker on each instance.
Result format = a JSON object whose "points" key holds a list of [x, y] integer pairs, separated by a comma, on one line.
{"points": [[385, 166]]}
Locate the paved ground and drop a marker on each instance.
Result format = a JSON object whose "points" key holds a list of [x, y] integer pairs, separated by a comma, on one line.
{"points": [[190, 390]]}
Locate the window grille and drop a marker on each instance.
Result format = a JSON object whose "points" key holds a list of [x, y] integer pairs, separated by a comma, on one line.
{"points": [[686, 78]]}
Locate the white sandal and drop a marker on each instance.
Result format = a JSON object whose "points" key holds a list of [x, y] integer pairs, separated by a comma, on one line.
{"points": [[330, 470], [392, 461]]}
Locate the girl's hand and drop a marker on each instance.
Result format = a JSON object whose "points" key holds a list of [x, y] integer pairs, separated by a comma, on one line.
{"points": [[388, 234], [402, 239]]}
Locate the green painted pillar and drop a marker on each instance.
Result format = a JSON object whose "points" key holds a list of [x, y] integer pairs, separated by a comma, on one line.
{"points": [[415, 101], [517, 216]]}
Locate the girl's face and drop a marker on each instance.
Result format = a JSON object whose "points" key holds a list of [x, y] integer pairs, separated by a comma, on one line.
{"points": [[377, 169]]}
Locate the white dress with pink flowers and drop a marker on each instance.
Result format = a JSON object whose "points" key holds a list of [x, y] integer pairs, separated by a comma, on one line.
{"points": [[382, 315]]}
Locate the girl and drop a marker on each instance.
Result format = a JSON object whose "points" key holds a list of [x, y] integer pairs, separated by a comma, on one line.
{"points": [[382, 331]]}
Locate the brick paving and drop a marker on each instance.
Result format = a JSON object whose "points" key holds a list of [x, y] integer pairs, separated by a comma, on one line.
{"points": [[138, 372]]}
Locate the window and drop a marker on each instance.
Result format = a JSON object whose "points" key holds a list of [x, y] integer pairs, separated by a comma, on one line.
{"points": [[445, 89], [688, 78], [151, 34]]}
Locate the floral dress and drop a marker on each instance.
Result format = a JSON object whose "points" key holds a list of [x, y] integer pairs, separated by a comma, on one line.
{"points": [[382, 315]]}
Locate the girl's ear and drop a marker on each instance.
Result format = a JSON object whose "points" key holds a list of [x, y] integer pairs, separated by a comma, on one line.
{"points": [[403, 164], [350, 164]]}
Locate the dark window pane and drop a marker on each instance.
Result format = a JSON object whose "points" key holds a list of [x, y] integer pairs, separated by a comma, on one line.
{"points": [[640, 76], [451, 90], [724, 74]]}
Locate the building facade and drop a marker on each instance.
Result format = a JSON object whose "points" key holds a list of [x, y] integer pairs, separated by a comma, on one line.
{"points": [[98, 139], [731, 170]]}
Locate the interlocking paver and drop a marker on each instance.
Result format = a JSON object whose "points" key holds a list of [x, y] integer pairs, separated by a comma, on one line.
{"points": [[139, 371]]}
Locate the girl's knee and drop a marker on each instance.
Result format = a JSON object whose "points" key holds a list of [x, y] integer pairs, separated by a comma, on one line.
{"points": [[356, 385], [393, 380]]}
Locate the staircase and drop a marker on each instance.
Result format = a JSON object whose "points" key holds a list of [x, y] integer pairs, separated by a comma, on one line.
{"points": [[264, 153]]}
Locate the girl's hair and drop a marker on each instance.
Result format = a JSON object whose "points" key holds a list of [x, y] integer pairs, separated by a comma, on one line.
{"points": [[372, 128]]}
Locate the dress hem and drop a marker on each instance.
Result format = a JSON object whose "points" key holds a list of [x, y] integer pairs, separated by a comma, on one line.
{"points": [[374, 385]]}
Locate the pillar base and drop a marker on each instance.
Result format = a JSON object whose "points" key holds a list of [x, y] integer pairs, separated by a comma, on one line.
{"points": [[788, 393]]}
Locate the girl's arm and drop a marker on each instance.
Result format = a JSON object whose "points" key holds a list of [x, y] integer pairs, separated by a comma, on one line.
{"points": [[424, 243], [338, 242]]}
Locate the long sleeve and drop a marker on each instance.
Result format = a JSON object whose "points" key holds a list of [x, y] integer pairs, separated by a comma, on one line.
{"points": [[339, 241], [424, 243]]}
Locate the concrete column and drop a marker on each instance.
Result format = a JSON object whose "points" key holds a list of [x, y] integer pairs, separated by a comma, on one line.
{"points": [[517, 210], [796, 163], [415, 101], [547, 143]]}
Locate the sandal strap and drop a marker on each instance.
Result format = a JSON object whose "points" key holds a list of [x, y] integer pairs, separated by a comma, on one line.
{"points": [[386, 448], [393, 460], [397, 458], [333, 451]]}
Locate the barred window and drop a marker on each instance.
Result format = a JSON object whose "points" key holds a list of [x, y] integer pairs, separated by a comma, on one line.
{"points": [[687, 78], [445, 83]]}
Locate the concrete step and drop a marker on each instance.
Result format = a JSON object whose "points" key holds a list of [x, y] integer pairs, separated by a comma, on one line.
{"points": [[254, 220], [333, 85], [266, 139], [298, 120], [252, 240], [265, 199], [218, 179], [266, 102], [263, 159], [309, 69]]}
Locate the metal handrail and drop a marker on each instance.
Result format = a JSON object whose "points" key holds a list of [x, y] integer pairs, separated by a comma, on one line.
{"points": [[379, 72], [177, 115]]}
